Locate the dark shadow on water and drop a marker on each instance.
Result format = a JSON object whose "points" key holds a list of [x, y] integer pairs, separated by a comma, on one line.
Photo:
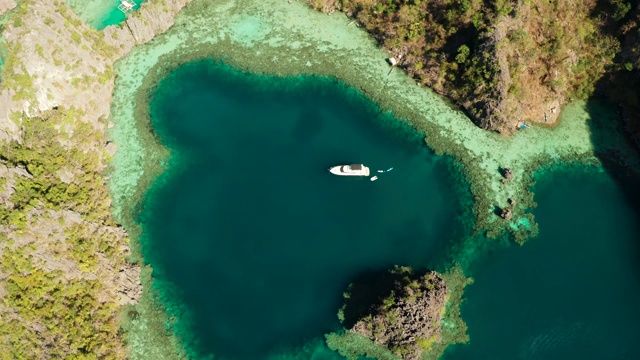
{"points": [[608, 134], [368, 290], [620, 86], [497, 210], [309, 123]]}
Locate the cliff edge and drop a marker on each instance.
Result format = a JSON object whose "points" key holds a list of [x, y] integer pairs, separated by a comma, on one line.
{"points": [[400, 314], [504, 62], [63, 269]]}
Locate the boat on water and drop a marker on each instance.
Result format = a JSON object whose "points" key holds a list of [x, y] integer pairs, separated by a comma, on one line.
{"points": [[350, 170], [374, 178]]}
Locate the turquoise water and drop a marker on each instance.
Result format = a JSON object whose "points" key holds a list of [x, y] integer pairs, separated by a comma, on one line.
{"points": [[101, 13], [248, 231], [571, 293], [113, 16]]}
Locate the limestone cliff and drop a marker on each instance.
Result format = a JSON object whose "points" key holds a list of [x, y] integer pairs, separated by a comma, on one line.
{"points": [[400, 310], [63, 272], [621, 85], [6, 5], [153, 18], [505, 62]]}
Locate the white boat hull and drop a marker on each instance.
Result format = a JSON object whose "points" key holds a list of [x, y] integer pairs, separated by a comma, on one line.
{"points": [[350, 170]]}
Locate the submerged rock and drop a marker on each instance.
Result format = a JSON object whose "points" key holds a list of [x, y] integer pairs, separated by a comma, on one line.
{"points": [[506, 214]]}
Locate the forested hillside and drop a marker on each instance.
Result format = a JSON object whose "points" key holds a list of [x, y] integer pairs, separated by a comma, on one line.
{"points": [[507, 61]]}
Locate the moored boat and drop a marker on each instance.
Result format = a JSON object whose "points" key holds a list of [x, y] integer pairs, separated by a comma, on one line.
{"points": [[350, 170]]}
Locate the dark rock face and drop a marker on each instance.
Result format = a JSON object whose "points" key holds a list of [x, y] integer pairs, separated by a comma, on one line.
{"points": [[506, 214], [404, 310], [484, 102]]}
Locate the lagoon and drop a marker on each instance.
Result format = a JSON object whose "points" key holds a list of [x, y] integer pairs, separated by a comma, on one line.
{"points": [[252, 241]]}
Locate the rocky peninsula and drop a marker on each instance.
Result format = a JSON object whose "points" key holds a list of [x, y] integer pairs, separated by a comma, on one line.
{"points": [[509, 62]]}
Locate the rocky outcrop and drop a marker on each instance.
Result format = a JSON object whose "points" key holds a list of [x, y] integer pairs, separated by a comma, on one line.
{"points": [[6, 5], [152, 19], [497, 104], [515, 62], [55, 97], [485, 103], [400, 310], [129, 287]]}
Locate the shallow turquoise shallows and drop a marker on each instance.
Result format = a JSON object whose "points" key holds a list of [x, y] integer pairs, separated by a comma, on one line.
{"points": [[101, 13], [249, 232], [571, 293], [114, 16]]}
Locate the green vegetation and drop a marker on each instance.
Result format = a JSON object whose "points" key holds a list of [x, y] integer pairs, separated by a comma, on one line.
{"points": [[622, 82], [57, 316], [60, 251], [380, 311], [54, 318], [44, 158], [501, 60], [453, 329]]}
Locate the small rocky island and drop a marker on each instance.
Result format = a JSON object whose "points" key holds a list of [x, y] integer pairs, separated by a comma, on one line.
{"points": [[401, 310]]}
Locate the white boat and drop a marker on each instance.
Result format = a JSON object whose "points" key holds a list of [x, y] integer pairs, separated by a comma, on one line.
{"points": [[374, 178], [350, 170]]}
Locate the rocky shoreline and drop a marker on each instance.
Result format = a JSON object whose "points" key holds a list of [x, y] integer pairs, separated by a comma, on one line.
{"points": [[512, 62], [55, 98], [406, 319], [401, 314]]}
